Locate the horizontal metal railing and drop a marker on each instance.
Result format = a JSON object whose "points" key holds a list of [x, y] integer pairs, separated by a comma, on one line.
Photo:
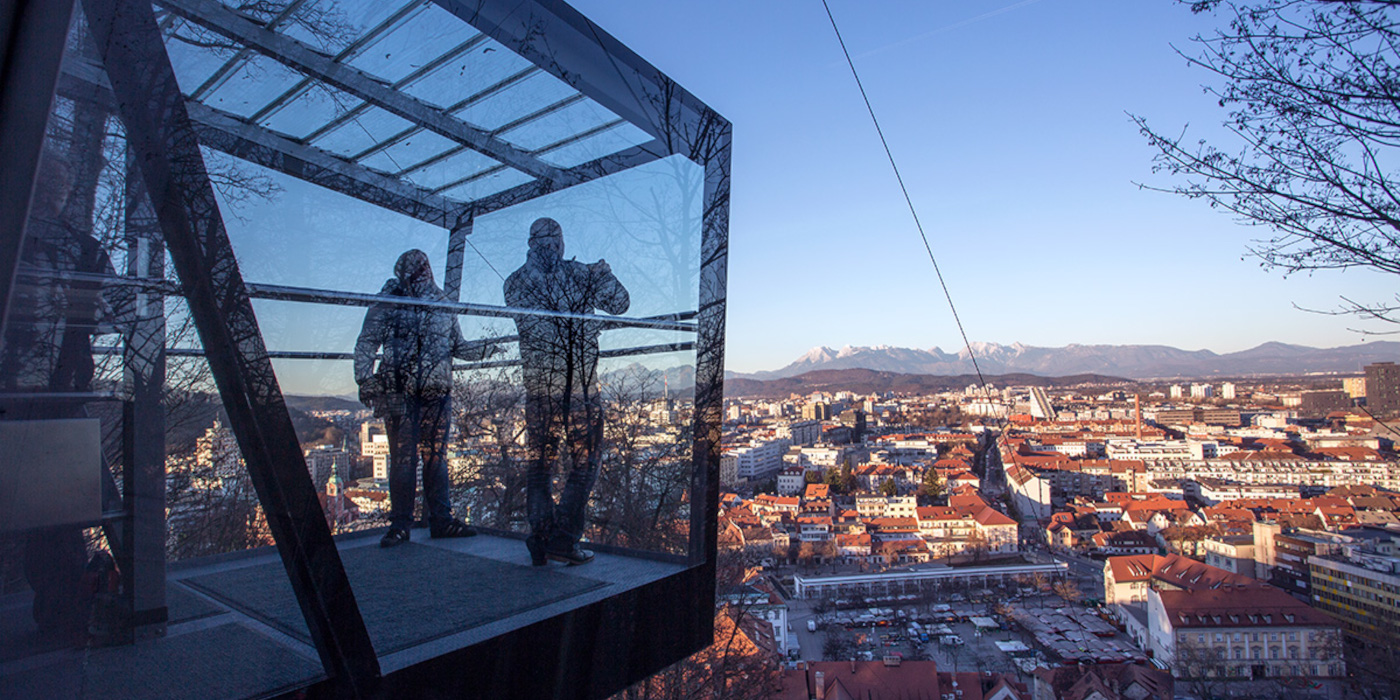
{"points": [[486, 364], [273, 292]]}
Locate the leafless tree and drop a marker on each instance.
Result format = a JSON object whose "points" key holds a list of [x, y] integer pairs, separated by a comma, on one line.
{"points": [[1067, 590], [1309, 86], [1204, 667]]}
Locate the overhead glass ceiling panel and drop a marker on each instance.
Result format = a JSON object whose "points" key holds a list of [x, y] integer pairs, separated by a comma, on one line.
{"points": [[422, 145], [451, 169], [489, 185], [411, 45], [332, 25], [532, 94], [481, 68], [361, 132], [423, 51], [255, 83], [603, 143], [576, 118], [193, 64], [310, 110]]}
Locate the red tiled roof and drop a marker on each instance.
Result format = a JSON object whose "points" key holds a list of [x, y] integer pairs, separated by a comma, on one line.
{"points": [[1232, 606]]}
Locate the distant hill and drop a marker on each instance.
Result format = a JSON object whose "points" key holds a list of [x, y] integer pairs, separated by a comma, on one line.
{"points": [[323, 403], [865, 381], [188, 418], [1132, 361]]}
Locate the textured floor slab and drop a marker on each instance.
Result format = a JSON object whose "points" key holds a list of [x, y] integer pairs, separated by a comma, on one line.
{"points": [[407, 595], [184, 606], [227, 661]]}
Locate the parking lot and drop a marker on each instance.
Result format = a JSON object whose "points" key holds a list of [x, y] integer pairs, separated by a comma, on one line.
{"points": [[1042, 630]]}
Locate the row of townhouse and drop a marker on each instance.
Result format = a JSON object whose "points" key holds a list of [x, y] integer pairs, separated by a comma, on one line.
{"points": [[889, 530]]}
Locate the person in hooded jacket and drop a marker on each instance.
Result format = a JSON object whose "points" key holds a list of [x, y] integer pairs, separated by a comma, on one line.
{"points": [[411, 389], [563, 406]]}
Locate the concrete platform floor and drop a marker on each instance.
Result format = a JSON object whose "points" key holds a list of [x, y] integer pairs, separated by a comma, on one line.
{"points": [[236, 631]]}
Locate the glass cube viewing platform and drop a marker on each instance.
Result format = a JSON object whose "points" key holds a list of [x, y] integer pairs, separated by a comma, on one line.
{"points": [[283, 280]]}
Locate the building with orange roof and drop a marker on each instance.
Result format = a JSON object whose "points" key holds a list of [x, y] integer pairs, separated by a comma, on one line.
{"points": [[1127, 579], [894, 679], [1242, 632]]}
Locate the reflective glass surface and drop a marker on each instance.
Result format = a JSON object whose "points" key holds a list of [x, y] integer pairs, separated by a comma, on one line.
{"points": [[380, 271]]}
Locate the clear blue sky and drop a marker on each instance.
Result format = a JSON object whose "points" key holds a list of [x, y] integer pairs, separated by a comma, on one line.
{"points": [[1008, 119]]}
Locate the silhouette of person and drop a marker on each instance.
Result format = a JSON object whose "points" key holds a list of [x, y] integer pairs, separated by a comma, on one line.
{"points": [[412, 391], [48, 349], [563, 408]]}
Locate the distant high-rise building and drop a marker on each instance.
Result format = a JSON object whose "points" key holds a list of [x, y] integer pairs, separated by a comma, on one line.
{"points": [[1355, 387], [816, 410], [1227, 391], [1383, 388], [855, 420], [374, 442], [325, 462], [1176, 391], [1202, 391]]}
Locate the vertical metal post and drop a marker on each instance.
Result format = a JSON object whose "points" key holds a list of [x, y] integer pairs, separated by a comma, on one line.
{"points": [[144, 419], [713, 152], [166, 149], [31, 51], [456, 251]]}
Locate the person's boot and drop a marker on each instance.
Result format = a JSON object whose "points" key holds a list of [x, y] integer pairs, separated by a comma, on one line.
{"points": [[567, 550]]}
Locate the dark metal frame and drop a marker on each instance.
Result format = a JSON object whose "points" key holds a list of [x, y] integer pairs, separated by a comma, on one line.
{"points": [[160, 136], [593, 651], [33, 34]]}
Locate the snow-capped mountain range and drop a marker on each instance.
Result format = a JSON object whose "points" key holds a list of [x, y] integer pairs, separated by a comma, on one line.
{"points": [[1132, 361]]}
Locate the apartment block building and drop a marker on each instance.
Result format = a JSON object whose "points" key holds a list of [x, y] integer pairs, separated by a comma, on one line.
{"points": [[1362, 591]]}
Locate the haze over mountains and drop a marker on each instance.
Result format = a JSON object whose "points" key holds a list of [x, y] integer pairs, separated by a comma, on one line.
{"points": [[1131, 361]]}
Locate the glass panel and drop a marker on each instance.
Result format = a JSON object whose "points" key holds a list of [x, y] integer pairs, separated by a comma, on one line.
{"points": [[487, 185], [413, 149], [451, 169], [190, 53], [333, 25], [409, 46], [637, 231], [606, 142], [309, 110], [550, 128], [538, 383], [533, 93], [361, 132], [486, 65], [255, 83]]}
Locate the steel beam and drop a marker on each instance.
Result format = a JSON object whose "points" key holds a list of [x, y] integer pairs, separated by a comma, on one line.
{"points": [[163, 144], [236, 137], [35, 33], [577, 175], [410, 131], [405, 13], [325, 296], [143, 422], [242, 139], [557, 38], [226, 71], [217, 17]]}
